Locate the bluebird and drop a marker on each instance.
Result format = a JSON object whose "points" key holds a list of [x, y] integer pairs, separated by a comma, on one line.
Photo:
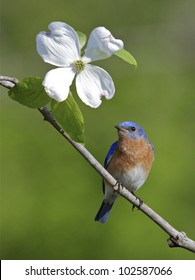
{"points": [[129, 161]]}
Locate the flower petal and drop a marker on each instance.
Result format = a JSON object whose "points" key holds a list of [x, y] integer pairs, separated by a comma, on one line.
{"points": [[92, 84], [60, 46], [101, 44], [57, 83]]}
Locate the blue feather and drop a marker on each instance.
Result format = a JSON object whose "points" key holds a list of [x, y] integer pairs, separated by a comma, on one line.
{"points": [[105, 208], [104, 211], [110, 154], [108, 159]]}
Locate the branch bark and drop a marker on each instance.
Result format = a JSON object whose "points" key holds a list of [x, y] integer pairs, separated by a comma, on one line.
{"points": [[176, 238]]}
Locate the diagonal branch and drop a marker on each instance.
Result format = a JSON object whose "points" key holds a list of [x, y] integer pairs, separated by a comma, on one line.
{"points": [[176, 239]]}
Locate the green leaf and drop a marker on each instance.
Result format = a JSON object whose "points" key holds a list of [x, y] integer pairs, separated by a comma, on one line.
{"points": [[69, 117], [126, 56], [30, 92], [82, 38]]}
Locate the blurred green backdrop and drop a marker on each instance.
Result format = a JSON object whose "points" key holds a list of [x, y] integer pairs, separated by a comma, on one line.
{"points": [[49, 194]]}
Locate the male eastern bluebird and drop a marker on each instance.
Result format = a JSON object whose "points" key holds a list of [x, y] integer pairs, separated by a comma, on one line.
{"points": [[129, 161]]}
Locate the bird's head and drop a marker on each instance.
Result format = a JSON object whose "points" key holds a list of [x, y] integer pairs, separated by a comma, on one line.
{"points": [[131, 130]]}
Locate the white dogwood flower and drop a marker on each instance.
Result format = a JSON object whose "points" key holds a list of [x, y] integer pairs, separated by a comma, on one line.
{"points": [[60, 47]]}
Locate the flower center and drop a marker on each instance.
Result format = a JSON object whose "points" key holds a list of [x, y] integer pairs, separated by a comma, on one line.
{"points": [[79, 65]]}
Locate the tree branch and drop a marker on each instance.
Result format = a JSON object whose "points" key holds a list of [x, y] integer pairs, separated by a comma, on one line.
{"points": [[8, 82], [176, 239]]}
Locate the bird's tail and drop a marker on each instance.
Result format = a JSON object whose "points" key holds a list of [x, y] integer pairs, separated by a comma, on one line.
{"points": [[104, 211]]}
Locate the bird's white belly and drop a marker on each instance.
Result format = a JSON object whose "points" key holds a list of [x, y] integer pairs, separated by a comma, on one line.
{"points": [[132, 179]]}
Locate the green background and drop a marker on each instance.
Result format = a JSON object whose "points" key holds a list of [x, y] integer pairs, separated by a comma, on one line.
{"points": [[49, 193]]}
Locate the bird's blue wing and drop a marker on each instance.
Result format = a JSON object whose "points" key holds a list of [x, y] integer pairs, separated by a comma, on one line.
{"points": [[108, 158], [110, 154]]}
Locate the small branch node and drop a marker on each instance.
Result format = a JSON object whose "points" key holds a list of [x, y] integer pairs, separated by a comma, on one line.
{"points": [[178, 240]]}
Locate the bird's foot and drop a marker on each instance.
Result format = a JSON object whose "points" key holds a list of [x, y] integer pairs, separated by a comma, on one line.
{"points": [[118, 186], [140, 202]]}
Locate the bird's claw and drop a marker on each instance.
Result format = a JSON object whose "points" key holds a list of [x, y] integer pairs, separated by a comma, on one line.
{"points": [[140, 203], [118, 186]]}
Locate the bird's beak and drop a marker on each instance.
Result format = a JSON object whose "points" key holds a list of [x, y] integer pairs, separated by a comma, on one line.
{"points": [[120, 128], [117, 127]]}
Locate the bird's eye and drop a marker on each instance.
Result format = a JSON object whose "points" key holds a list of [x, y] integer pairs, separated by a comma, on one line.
{"points": [[133, 128]]}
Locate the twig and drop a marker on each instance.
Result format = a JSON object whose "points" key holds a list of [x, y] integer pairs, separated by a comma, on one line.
{"points": [[8, 82], [176, 239]]}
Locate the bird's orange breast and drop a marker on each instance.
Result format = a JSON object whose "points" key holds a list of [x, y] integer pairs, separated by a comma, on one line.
{"points": [[130, 153]]}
